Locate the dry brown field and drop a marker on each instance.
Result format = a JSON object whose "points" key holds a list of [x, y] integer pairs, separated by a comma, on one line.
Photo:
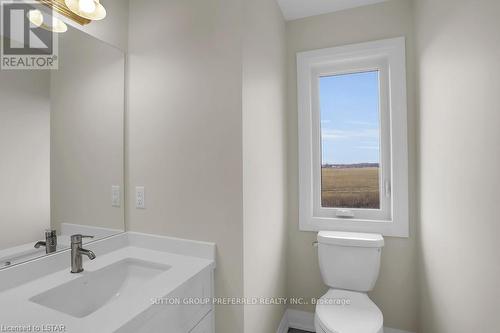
{"points": [[350, 187]]}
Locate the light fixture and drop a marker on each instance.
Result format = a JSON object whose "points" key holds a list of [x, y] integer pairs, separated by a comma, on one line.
{"points": [[60, 7], [89, 9], [38, 19], [86, 6]]}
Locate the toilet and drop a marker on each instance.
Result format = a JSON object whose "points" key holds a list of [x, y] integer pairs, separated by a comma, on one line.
{"points": [[349, 264]]}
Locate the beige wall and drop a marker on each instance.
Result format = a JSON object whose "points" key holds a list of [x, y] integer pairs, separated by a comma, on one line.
{"points": [[459, 136], [87, 113], [396, 290], [24, 156], [184, 132], [264, 162]]}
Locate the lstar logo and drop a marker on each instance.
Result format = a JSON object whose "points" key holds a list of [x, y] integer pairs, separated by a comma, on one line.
{"points": [[24, 44]]}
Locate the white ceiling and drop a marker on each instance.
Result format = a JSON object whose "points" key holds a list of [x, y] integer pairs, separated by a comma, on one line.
{"points": [[294, 9]]}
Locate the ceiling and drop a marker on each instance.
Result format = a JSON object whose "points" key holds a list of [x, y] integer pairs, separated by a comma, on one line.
{"points": [[294, 9]]}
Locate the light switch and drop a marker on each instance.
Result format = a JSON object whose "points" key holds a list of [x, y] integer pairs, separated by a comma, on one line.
{"points": [[115, 196], [140, 199]]}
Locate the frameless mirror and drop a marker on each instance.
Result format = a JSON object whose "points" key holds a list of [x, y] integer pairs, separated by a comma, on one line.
{"points": [[61, 148]]}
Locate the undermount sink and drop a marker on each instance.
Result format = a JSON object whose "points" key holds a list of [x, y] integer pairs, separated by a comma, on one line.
{"points": [[88, 293]]}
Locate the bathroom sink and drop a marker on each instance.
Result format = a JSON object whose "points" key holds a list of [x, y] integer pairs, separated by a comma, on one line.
{"points": [[88, 293]]}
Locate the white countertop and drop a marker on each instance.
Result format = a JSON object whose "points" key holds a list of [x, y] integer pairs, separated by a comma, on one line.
{"points": [[17, 309]]}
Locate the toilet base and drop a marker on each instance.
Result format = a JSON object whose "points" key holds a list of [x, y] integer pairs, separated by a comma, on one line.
{"points": [[320, 329], [355, 314]]}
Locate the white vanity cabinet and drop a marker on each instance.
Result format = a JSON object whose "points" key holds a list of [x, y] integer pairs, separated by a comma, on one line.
{"points": [[187, 309], [206, 325]]}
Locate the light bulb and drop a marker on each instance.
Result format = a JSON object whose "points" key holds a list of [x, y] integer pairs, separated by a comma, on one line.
{"points": [[42, 20], [89, 9], [58, 25], [86, 6], [36, 18]]}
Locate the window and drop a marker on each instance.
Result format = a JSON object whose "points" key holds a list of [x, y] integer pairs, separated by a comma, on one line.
{"points": [[352, 138]]}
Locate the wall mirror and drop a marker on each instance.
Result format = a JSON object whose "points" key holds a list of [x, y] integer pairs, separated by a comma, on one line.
{"points": [[61, 149]]}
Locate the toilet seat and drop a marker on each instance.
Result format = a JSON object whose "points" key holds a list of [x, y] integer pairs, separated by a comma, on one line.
{"points": [[342, 311]]}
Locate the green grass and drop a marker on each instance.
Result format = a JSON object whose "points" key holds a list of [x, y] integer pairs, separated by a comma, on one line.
{"points": [[350, 187]]}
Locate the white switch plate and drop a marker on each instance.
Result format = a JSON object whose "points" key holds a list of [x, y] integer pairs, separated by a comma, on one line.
{"points": [[115, 196], [140, 199]]}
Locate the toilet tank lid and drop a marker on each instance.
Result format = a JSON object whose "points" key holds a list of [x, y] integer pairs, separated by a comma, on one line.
{"points": [[342, 238]]}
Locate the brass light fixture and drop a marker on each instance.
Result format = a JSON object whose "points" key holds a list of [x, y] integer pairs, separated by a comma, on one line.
{"points": [[80, 11], [38, 19], [89, 9]]}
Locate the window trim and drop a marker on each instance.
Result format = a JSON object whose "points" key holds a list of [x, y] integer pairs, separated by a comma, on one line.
{"points": [[310, 64]]}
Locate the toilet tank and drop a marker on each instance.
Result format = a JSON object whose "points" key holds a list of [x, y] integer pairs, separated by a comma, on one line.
{"points": [[349, 260]]}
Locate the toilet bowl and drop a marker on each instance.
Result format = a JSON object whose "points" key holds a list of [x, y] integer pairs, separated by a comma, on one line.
{"points": [[349, 264], [342, 311]]}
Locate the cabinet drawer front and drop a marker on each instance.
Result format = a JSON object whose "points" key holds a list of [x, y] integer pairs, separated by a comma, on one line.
{"points": [[176, 318], [206, 325]]}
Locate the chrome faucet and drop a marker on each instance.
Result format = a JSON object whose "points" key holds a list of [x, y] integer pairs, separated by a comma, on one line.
{"points": [[77, 251], [50, 242]]}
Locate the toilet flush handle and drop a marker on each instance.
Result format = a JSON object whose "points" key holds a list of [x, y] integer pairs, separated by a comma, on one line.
{"points": [[315, 243]]}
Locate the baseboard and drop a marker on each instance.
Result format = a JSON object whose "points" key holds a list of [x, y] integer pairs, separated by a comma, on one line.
{"points": [[394, 330], [303, 320]]}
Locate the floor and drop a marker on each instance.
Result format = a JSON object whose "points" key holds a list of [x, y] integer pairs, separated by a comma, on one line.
{"points": [[293, 330]]}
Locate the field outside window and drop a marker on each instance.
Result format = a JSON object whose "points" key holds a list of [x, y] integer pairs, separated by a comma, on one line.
{"points": [[350, 140]]}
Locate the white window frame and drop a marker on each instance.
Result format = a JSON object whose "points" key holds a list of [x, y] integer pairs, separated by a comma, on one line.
{"points": [[389, 58]]}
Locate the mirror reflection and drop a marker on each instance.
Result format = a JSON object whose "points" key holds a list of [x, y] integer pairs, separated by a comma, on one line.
{"points": [[61, 150]]}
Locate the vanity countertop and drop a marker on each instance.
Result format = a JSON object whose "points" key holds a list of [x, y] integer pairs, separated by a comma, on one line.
{"points": [[183, 259]]}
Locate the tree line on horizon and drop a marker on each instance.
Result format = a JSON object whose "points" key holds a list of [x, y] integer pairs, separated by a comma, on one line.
{"points": [[354, 165]]}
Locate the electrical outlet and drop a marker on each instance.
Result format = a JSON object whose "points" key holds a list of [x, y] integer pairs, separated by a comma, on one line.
{"points": [[140, 199], [115, 196]]}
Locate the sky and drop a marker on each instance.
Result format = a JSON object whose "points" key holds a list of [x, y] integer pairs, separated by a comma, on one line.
{"points": [[350, 130]]}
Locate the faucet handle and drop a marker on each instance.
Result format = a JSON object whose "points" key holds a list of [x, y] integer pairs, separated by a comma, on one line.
{"points": [[78, 238]]}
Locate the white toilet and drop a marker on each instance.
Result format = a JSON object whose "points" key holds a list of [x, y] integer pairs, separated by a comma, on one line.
{"points": [[349, 264]]}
